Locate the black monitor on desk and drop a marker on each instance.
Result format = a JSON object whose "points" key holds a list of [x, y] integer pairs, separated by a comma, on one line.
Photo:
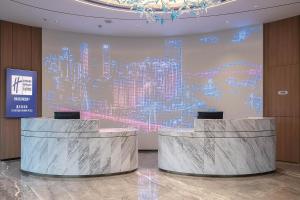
{"points": [[66, 115], [210, 115]]}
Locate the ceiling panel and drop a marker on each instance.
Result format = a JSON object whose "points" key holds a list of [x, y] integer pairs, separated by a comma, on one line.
{"points": [[69, 15]]}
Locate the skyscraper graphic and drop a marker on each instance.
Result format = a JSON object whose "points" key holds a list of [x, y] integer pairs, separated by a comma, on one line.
{"points": [[106, 61], [84, 59], [148, 87], [66, 62], [84, 76], [173, 52]]}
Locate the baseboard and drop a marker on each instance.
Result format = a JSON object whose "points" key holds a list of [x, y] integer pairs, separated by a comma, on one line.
{"points": [[10, 159], [148, 150]]}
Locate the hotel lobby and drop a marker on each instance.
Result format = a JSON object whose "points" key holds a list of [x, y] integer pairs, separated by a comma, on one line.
{"points": [[148, 100]]}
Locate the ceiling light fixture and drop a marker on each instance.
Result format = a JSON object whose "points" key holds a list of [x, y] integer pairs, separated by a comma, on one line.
{"points": [[159, 10]]}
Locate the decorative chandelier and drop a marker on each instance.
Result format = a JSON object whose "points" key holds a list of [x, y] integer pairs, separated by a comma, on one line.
{"points": [[159, 10]]}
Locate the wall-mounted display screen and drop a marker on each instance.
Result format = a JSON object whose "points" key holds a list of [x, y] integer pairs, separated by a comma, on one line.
{"points": [[150, 83], [21, 89]]}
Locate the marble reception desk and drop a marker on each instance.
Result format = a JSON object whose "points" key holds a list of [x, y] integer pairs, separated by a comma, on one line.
{"points": [[219, 148], [76, 148]]}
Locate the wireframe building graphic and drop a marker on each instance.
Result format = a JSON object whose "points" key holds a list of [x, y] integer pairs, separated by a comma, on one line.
{"points": [[84, 76], [147, 94], [106, 61]]}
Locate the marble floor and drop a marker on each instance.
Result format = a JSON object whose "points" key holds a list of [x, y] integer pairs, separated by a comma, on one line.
{"points": [[149, 183]]}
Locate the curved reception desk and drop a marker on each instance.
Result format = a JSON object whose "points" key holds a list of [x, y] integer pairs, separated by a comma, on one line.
{"points": [[67, 147], [219, 148]]}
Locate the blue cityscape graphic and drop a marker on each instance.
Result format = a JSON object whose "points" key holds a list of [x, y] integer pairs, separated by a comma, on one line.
{"points": [[148, 94]]}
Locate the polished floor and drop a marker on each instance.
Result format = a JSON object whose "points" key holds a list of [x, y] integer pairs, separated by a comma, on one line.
{"points": [[149, 183]]}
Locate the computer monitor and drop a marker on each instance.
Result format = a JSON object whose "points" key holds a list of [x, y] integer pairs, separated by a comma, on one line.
{"points": [[210, 115], [66, 115]]}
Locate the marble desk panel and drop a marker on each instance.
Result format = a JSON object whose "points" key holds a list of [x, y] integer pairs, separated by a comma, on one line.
{"points": [[100, 134], [224, 149], [57, 148], [61, 125], [231, 125], [215, 134]]}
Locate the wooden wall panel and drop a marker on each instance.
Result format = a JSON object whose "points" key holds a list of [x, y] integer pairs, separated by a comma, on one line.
{"points": [[282, 47], [21, 48], [282, 72], [6, 59], [10, 138], [284, 78], [288, 138]]}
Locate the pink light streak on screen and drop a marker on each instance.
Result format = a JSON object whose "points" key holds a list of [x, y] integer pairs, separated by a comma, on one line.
{"points": [[134, 123]]}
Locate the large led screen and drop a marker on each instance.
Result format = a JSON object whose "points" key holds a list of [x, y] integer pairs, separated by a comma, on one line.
{"points": [[151, 83]]}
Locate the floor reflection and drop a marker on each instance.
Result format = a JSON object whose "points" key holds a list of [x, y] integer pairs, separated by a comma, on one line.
{"points": [[148, 183]]}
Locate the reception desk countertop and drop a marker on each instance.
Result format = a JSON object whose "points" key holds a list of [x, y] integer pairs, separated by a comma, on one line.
{"points": [[76, 148], [220, 147]]}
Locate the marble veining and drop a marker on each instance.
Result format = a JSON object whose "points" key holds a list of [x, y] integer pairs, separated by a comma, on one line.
{"points": [[71, 152], [220, 147]]}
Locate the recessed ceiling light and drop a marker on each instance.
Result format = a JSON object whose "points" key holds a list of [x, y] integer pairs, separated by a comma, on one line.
{"points": [[255, 6], [99, 26], [227, 21]]}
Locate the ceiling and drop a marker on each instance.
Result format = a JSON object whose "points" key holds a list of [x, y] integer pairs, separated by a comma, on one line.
{"points": [[69, 15]]}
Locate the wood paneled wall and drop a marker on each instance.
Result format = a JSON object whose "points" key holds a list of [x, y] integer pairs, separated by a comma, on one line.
{"points": [[282, 72], [20, 48]]}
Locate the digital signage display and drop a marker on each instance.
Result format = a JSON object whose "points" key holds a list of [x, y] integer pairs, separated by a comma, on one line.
{"points": [[152, 83], [21, 89]]}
